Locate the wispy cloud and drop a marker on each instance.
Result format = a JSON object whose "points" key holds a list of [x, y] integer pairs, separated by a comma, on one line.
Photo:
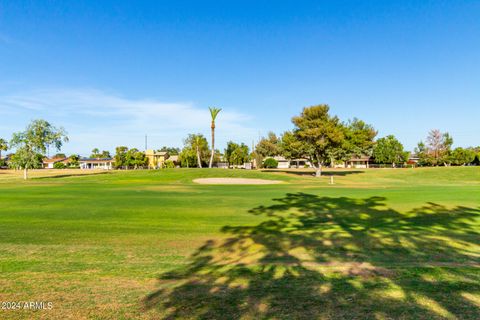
{"points": [[98, 119]]}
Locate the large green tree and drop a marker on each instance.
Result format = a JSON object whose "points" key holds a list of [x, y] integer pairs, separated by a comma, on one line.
{"points": [[388, 150], [198, 145], [476, 161], [213, 113], [461, 156], [268, 146], [359, 141], [129, 158], [74, 161], [187, 157], [34, 141], [237, 154], [121, 157], [436, 150], [360, 137], [421, 151], [105, 154], [135, 159], [319, 133], [290, 146]]}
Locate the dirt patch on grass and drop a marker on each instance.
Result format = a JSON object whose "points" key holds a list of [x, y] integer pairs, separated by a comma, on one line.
{"points": [[235, 181]]}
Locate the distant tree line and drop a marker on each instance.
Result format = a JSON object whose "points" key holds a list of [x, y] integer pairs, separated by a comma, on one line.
{"points": [[318, 136], [321, 138], [96, 154], [324, 139], [126, 158]]}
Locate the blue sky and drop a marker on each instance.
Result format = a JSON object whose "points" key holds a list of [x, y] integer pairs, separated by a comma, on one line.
{"points": [[112, 71]]}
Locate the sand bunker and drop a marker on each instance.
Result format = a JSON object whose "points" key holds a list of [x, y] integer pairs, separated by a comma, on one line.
{"points": [[235, 181]]}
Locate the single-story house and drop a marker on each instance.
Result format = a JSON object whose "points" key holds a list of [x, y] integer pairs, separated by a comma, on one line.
{"points": [[300, 163], [221, 164], [282, 162], [96, 163], [48, 163], [359, 162], [413, 159], [156, 159]]}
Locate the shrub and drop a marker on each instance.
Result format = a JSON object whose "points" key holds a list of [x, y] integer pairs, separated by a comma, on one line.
{"points": [[59, 165], [270, 163], [169, 164]]}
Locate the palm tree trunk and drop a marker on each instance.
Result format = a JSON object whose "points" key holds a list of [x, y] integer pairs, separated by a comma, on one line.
{"points": [[213, 145], [199, 160]]}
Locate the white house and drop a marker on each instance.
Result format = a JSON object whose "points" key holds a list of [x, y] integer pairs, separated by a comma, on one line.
{"points": [[282, 162], [300, 163], [359, 162], [49, 163], [88, 163]]}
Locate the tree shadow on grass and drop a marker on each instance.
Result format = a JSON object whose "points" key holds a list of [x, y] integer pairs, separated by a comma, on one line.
{"points": [[59, 176], [332, 258]]}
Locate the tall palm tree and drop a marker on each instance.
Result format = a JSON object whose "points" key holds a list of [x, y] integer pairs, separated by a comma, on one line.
{"points": [[3, 146], [213, 112]]}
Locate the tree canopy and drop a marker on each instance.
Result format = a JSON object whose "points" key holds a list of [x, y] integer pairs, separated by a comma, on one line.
{"points": [[436, 150], [291, 147], [319, 133], [97, 154], [359, 139], [121, 157], [462, 156], [135, 159], [268, 146], [129, 158], [237, 154], [195, 151], [388, 150], [32, 143], [171, 150]]}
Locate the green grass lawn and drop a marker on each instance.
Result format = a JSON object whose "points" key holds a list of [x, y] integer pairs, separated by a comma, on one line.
{"points": [[377, 244]]}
